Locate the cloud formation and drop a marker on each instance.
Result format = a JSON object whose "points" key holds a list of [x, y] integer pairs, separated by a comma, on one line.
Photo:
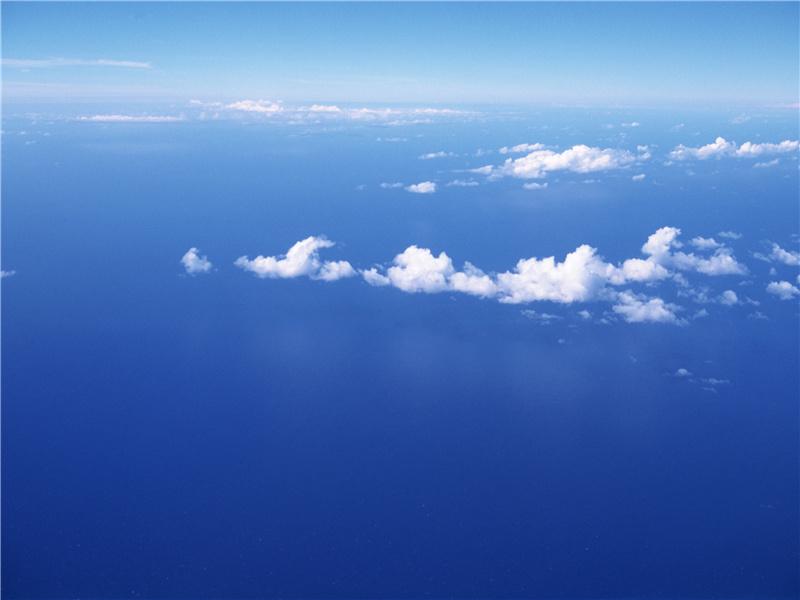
{"points": [[722, 147], [194, 263], [783, 290], [578, 159], [129, 119], [426, 187], [301, 259]]}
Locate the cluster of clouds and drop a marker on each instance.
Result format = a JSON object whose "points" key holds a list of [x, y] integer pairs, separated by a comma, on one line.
{"points": [[582, 277], [721, 147], [320, 112], [578, 159]]}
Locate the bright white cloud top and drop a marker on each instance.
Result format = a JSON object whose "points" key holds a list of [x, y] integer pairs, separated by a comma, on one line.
{"points": [[783, 290], [194, 263], [426, 187], [578, 159], [721, 147], [583, 276], [301, 259]]}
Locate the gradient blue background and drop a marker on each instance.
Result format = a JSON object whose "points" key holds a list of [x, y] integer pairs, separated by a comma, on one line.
{"points": [[223, 436]]}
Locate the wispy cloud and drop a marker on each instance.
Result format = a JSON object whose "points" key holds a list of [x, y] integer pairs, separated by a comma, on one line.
{"points": [[129, 119], [49, 63]]}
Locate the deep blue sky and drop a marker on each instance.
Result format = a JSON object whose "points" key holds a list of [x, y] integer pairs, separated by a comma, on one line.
{"points": [[400, 300], [589, 53]]}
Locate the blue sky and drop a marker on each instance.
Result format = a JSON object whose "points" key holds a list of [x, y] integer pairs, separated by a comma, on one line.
{"points": [[595, 53], [374, 300]]}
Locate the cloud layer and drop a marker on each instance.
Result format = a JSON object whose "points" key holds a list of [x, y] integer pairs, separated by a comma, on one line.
{"points": [[722, 147]]}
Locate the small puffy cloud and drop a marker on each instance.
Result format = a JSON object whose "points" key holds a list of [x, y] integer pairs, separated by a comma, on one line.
{"points": [[390, 186], [722, 147], [534, 186], [319, 108], [659, 246], [783, 290], [785, 256], [441, 154], [729, 298], [194, 263], [463, 183], [638, 309], [260, 106], [683, 373], [632, 124], [638, 177], [731, 235], [426, 187], [521, 148], [705, 243], [301, 259], [4, 274], [417, 270], [578, 159], [331, 271]]}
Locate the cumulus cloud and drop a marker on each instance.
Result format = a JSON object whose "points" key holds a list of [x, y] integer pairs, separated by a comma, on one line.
{"points": [[729, 298], [731, 235], [260, 106], [578, 159], [389, 186], [301, 259], [705, 243], [639, 177], [660, 244], [426, 187], [722, 147], [194, 263], [521, 148], [534, 186], [463, 183], [785, 256], [783, 290], [683, 373], [4, 274], [638, 309]]}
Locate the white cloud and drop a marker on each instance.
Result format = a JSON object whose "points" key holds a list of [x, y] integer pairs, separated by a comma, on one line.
{"points": [[426, 187], [638, 177], [441, 154], [543, 318], [659, 244], [417, 270], [729, 298], [463, 183], [71, 62], [705, 243], [260, 106], [4, 274], [638, 309], [319, 108], [722, 147], [731, 235], [521, 148], [534, 186], [301, 259], [389, 186], [783, 290], [129, 119], [770, 163], [578, 159], [784, 256], [194, 263], [683, 373], [632, 124]]}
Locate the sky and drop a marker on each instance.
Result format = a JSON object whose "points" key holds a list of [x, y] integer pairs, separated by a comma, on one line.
{"points": [[588, 53], [419, 300]]}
